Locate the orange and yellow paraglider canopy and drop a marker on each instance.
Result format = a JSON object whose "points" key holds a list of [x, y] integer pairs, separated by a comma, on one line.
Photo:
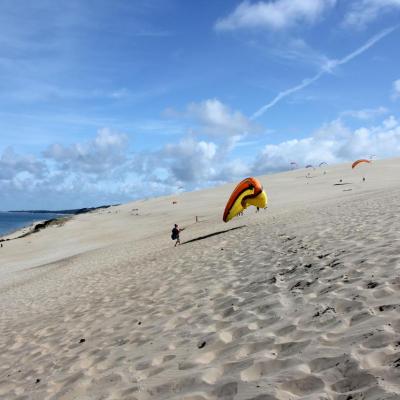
{"points": [[249, 192], [355, 163]]}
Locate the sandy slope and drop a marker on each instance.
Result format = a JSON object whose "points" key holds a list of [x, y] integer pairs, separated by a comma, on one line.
{"points": [[299, 301]]}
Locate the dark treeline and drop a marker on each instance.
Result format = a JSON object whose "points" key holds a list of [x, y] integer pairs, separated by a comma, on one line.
{"points": [[73, 211]]}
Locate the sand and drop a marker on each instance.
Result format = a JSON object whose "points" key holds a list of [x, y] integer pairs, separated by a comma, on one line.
{"points": [[299, 301]]}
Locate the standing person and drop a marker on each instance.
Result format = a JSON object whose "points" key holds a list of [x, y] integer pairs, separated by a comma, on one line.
{"points": [[175, 234]]}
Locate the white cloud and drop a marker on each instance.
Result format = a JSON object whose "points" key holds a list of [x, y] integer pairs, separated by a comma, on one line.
{"points": [[274, 15], [12, 165], [197, 162], [329, 67], [396, 89], [218, 119], [83, 174], [102, 171], [364, 11], [187, 161], [333, 142], [101, 155], [365, 114], [390, 123], [233, 170], [190, 161], [213, 118]]}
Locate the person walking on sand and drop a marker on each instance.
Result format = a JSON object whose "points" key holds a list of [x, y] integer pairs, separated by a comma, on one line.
{"points": [[175, 234]]}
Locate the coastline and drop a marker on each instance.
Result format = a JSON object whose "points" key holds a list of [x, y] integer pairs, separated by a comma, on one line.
{"points": [[35, 226], [19, 230]]}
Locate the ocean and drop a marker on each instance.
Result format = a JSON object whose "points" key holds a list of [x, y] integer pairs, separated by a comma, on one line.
{"points": [[11, 221]]}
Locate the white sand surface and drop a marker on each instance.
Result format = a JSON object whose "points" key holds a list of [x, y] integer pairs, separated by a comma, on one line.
{"points": [[299, 301]]}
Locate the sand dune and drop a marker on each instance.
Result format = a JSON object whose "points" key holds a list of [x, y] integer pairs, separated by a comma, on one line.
{"points": [[300, 301]]}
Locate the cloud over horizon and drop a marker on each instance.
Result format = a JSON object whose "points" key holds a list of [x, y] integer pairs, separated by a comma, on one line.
{"points": [[334, 142], [102, 170], [13, 164], [105, 151]]}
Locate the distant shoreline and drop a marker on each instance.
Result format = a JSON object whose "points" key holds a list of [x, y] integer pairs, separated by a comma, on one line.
{"points": [[36, 226], [74, 211], [33, 227]]}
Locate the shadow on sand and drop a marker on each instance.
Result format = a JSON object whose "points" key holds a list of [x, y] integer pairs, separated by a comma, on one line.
{"points": [[213, 234]]}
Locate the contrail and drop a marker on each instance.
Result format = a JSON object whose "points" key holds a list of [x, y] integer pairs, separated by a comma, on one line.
{"points": [[329, 66]]}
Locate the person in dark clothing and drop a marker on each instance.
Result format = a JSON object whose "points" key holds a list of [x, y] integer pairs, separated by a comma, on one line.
{"points": [[175, 234]]}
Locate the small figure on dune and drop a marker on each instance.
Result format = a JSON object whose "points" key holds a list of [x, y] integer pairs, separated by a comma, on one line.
{"points": [[363, 179], [258, 209], [175, 234]]}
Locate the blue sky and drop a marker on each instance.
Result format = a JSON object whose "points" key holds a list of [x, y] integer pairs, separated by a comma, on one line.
{"points": [[103, 102]]}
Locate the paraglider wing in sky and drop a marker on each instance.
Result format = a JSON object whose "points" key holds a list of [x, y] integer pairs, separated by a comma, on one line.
{"points": [[323, 163], [249, 192], [355, 163], [309, 166]]}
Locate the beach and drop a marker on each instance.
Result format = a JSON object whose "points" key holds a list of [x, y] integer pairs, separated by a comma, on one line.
{"points": [[298, 301]]}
